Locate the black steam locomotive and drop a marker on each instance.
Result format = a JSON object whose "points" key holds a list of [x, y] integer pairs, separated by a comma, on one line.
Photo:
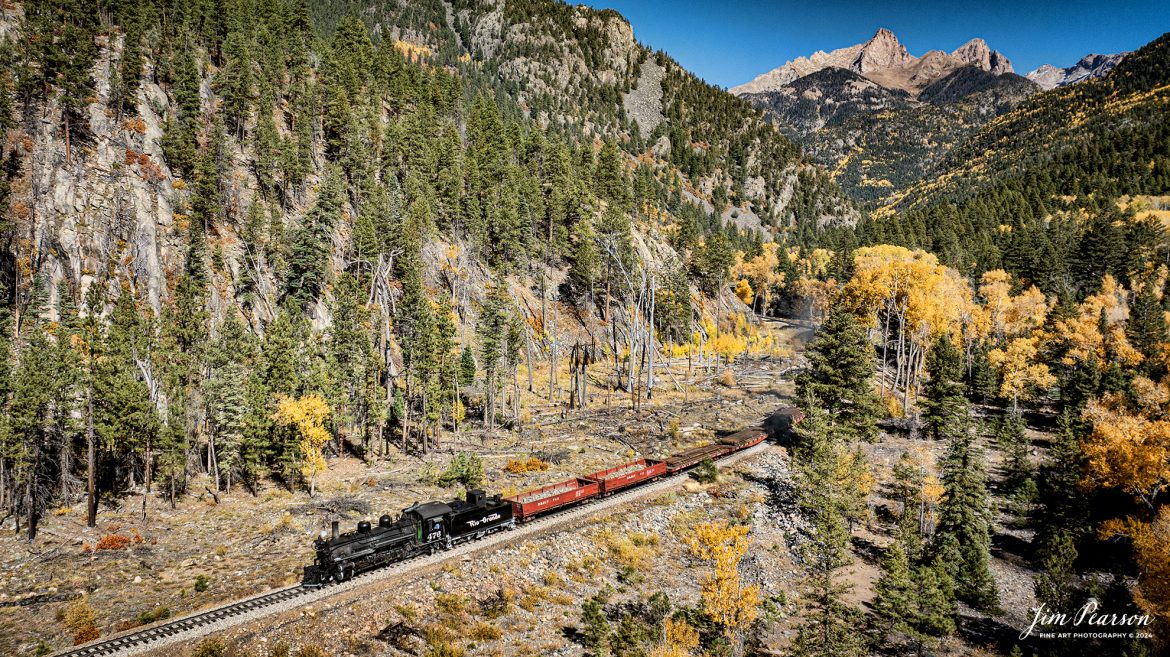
{"points": [[420, 529]]}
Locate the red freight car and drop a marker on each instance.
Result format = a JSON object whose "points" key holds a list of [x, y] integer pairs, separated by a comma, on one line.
{"points": [[531, 502], [627, 474], [745, 438], [695, 455]]}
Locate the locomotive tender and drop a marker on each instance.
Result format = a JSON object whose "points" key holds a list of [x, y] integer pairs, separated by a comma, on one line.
{"points": [[432, 526]]}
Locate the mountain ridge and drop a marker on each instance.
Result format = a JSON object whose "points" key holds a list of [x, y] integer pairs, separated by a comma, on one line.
{"points": [[1088, 67], [884, 60]]}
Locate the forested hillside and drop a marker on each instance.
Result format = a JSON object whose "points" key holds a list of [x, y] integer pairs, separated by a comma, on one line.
{"points": [[213, 207], [1058, 190], [877, 142]]}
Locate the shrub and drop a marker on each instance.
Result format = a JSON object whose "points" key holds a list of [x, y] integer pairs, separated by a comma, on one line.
{"points": [[466, 469], [450, 603], [154, 615], [86, 634], [727, 378], [440, 643], [210, 648], [706, 472], [553, 579], [530, 464], [80, 618], [311, 650], [201, 583], [634, 551], [113, 542], [497, 604]]}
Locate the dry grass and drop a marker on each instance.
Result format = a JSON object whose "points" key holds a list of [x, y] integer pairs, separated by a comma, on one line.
{"points": [[482, 631], [534, 594], [451, 604], [635, 550], [727, 378]]}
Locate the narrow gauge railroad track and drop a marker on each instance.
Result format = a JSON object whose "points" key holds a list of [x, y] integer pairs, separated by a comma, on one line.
{"points": [[209, 621]]}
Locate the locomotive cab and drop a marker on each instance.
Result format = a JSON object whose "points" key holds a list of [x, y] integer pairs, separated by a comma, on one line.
{"points": [[430, 521]]}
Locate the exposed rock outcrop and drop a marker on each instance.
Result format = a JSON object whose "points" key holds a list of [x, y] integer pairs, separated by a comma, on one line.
{"points": [[1089, 67]]}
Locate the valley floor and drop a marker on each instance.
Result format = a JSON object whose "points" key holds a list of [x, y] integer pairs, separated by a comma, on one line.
{"points": [[521, 600]]}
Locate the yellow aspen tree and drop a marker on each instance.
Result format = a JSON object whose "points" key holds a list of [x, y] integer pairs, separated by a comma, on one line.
{"points": [[1019, 369], [1127, 451], [681, 640], [911, 300], [726, 600], [762, 273], [1087, 336], [307, 415], [1152, 552], [743, 290], [1009, 315]]}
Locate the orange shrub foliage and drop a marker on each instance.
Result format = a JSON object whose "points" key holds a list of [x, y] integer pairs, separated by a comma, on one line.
{"points": [[86, 634], [114, 542], [530, 464]]}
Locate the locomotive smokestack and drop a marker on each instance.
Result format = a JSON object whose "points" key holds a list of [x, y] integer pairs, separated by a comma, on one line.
{"points": [[336, 529]]}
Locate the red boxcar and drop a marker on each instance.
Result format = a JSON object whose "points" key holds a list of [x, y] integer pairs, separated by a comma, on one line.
{"points": [[627, 474], [552, 496]]}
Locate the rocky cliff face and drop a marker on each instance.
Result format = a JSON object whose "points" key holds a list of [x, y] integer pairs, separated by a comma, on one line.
{"points": [[1089, 67], [111, 208]]}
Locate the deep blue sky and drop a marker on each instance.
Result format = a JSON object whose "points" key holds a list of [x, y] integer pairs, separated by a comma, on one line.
{"points": [[728, 43]]}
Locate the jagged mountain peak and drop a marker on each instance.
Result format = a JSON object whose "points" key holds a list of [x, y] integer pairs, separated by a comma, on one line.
{"points": [[883, 59], [977, 52], [882, 51]]}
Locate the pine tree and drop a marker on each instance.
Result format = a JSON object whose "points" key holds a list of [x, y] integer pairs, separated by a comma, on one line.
{"points": [[125, 419], [829, 623], [1147, 330], [348, 346], [467, 367], [609, 180], [284, 354], [312, 244], [124, 87], [58, 36], [584, 263], [235, 80], [35, 386], [945, 401], [963, 538], [711, 261], [894, 592], [595, 626], [492, 333], [839, 375], [226, 390], [936, 609]]}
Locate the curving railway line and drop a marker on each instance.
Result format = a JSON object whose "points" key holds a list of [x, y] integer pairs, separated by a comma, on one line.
{"points": [[202, 623]]}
